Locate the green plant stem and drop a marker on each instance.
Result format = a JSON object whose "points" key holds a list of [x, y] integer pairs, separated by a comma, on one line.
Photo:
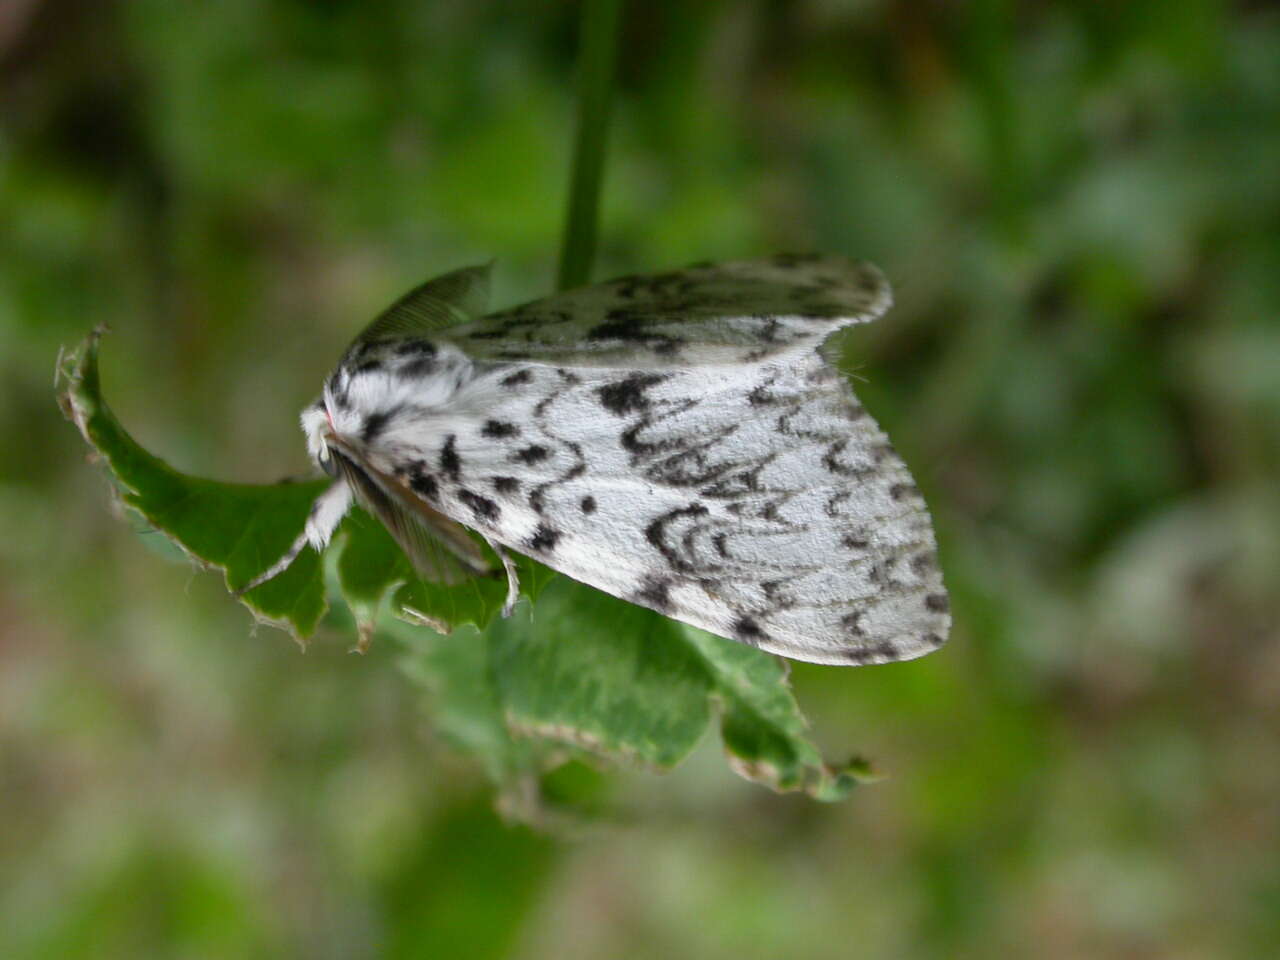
{"points": [[598, 44]]}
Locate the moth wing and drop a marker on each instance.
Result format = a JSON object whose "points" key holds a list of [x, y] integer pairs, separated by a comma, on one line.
{"points": [[444, 301], [726, 313], [439, 548], [759, 502]]}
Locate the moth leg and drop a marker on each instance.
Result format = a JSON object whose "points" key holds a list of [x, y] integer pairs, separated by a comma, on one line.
{"points": [[276, 568], [513, 579], [326, 512]]}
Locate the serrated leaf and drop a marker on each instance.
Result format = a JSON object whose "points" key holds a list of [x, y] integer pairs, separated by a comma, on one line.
{"points": [[243, 528], [238, 528], [603, 675], [763, 730], [592, 671]]}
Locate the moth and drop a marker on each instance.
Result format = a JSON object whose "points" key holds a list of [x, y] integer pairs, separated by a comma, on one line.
{"points": [[679, 440]]}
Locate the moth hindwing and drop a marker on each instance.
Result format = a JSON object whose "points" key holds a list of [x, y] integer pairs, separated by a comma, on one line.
{"points": [[677, 440]]}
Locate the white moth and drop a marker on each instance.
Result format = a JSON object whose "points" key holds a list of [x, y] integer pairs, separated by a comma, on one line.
{"points": [[678, 440]]}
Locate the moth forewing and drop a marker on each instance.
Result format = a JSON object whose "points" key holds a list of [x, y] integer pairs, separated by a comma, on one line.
{"points": [[677, 440]]}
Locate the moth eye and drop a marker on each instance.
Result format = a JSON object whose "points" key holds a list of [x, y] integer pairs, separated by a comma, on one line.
{"points": [[329, 463]]}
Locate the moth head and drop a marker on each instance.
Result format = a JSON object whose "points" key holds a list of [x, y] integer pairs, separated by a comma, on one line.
{"points": [[319, 430]]}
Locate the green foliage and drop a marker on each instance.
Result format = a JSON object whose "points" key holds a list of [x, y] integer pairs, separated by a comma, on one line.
{"points": [[239, 528], [243, 528]]}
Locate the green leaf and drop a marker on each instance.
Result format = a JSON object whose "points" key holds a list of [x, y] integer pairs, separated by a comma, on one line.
{"points": [[597, 673], [588, 670], [238, 528], [763, 730], [243, 528]]}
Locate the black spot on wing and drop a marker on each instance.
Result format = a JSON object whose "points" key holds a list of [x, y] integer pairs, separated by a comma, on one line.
{"points": [[627, 395], [482, 507], [450, 462], [620, 325], [881, 573], [901, 491], [937, 602], [923, 563], [418, 369], [588, 504], [544, 538], [531, 455], [506, 484], [852, 623], [776, 592], [880, 653], [748, 631], [375, 423], [519, 378], [425, 484], [497, 429], [655, 593], [538, 498]]}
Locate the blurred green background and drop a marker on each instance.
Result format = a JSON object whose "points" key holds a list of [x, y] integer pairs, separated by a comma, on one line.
{"points": [[1079, 206]]}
